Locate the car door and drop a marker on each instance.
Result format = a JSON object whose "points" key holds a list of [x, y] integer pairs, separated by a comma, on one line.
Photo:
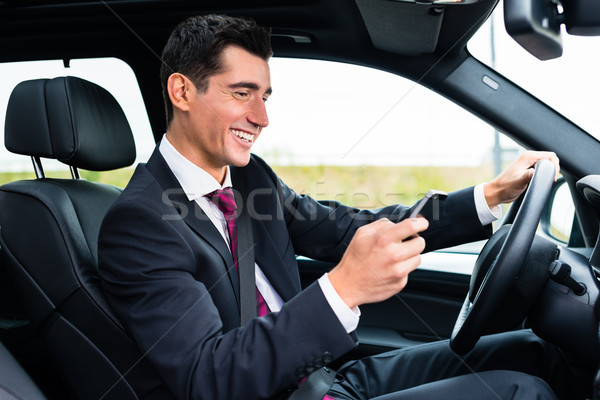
{"points": [[424, 311]]}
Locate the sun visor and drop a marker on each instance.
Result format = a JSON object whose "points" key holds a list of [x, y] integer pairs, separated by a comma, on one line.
{"points": [[402, 27]]}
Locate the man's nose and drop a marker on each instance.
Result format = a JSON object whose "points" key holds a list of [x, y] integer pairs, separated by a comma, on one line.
{"points": [[258, 114]]}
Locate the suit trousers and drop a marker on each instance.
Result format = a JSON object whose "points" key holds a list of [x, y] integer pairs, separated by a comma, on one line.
{"points": [[495, 369]]}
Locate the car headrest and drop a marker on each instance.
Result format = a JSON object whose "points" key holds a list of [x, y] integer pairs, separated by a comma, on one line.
{"points": [[69, 119]]}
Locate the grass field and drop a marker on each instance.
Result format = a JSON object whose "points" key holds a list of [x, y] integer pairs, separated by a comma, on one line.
{"points": [[359, 186], [118, 177], [375, 186]]}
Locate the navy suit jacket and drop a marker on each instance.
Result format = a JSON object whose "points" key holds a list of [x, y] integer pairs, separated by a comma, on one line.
{"points": [[167, 273]]}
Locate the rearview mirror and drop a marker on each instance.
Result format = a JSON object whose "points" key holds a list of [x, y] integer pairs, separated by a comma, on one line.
{"points": [[582, 17], [535, 25]]}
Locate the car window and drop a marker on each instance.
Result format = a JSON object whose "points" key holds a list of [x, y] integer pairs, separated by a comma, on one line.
{"points": [[562, 214], [112, 74], [369, 138], [568, 84]]}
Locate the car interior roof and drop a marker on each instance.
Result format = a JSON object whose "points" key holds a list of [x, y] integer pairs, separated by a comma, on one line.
{"points": [[336, 27], [136, 30]]}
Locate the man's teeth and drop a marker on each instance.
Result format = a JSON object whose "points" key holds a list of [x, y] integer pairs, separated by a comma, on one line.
{"points": [[243, 135]]}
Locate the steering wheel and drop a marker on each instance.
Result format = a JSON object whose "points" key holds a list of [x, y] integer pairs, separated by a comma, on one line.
{"points": [[499, 262]]}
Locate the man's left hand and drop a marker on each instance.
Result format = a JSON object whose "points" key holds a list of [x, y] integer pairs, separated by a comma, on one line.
{"points": [[507, 186]]}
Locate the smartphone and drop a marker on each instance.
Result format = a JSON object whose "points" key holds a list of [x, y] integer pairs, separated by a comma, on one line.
{"points": [[432, 194]]}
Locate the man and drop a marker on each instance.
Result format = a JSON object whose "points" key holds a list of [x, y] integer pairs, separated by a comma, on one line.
{"points": [[167, 265]]}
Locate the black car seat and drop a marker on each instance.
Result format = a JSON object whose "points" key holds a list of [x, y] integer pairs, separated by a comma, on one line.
{"points": [[15, 384], [49, 232]]}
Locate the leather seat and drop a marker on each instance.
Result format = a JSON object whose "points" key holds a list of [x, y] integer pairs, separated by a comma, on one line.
{"points": [[15, 384], [49, 232]]}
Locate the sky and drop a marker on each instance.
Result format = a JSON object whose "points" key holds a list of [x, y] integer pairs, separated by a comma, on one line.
{"points": [[382, 119]]}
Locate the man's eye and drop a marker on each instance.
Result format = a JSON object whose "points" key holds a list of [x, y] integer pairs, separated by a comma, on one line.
{"points": [[242, 95]]}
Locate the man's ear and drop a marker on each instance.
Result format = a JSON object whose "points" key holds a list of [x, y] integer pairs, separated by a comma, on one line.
{"points": [[179, 88]]}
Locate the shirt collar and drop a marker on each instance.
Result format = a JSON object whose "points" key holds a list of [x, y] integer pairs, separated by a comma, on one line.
{"points": [[194, 181]]}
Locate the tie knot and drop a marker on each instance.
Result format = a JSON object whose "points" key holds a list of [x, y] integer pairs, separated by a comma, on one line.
{"points": [[224, 199]]}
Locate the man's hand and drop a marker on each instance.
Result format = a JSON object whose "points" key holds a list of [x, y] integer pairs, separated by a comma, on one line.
{"points": [[507, 186], [378, 260]]}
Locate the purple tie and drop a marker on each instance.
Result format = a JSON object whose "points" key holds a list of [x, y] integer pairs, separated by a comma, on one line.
{"points": [[225, 200]]}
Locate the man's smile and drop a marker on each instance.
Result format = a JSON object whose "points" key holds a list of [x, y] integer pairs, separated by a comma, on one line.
{"points": [[244, 136]]}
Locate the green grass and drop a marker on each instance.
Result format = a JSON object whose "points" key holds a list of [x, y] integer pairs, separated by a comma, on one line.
{"points": [[118, 177], [375, 186], [359, 186]]}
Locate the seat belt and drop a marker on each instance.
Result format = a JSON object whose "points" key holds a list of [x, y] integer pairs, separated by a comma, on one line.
{"points": [[245, 249], [245, 253], [316, 386]]}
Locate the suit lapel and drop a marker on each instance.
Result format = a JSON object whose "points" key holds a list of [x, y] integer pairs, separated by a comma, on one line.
{"points": [[193, 215], [276, 269]]}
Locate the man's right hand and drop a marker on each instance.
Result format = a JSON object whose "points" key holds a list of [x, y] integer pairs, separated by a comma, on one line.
{"points": [[378, 260]]}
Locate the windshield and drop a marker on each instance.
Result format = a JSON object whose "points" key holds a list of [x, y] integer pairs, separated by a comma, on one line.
{"points": [[569, 84]]}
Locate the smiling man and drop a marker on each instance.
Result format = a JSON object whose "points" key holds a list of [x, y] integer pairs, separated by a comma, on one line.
{"points": [[220, 124], [170, 261]]}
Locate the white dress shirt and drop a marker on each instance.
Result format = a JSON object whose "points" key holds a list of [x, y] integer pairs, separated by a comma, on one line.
{"points": [[196, 183]]}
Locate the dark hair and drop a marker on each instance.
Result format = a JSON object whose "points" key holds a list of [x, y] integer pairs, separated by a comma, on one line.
{"points": [[195, 46]]}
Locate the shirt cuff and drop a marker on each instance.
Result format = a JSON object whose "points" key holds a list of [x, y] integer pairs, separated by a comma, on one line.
{"points": [[348, 317], [485, 214]]}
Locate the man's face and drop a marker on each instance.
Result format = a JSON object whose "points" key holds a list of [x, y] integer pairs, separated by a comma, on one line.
{"points": [[225, 121]]}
